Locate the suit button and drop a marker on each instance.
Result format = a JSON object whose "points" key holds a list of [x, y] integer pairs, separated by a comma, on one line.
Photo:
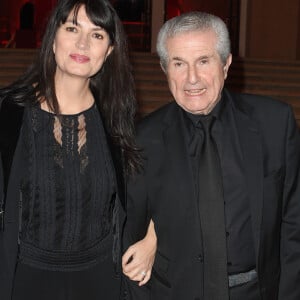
{"points": [[200, 258]]}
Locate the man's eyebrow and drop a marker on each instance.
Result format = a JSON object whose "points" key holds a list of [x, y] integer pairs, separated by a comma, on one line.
{"points": [[204, 57], [199, 58], [177, 58]]}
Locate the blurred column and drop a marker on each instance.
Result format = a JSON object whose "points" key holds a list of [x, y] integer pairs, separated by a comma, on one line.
{"points": [[158, 16]]}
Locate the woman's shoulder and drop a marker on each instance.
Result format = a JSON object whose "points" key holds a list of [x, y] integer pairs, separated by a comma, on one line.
{"points": [[17, 96]]}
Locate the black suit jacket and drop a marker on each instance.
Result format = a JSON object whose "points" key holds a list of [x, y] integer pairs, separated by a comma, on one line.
{"points": [[11, 117], [165, 192]]}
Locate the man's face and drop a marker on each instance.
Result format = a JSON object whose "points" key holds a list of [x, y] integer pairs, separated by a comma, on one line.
{"points": [[195, 71]]}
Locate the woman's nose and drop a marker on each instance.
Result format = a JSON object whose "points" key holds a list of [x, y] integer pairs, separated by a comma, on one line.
{"points": [[82, 42]]}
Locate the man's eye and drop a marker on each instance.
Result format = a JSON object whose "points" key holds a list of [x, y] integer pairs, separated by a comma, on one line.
{"points": [[203, 61], [178, 64]]}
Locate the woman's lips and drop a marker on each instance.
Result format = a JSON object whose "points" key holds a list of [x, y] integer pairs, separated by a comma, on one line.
{"points": [[80, 58]]}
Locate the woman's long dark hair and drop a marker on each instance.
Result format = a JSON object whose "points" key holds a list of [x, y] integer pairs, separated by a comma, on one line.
{"points": [[112, 86]]}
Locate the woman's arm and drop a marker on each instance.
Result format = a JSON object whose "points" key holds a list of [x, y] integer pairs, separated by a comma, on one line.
{"points": [[138, 260]]}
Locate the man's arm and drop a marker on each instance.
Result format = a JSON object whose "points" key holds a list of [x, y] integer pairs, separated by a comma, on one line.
{"points": [[289, 287]]}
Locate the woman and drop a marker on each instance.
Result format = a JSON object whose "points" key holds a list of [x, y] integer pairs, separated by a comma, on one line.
{"points": [[67, 140]]}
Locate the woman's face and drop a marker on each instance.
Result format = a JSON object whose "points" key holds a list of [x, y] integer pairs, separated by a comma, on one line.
{"points": [[80, 50]]}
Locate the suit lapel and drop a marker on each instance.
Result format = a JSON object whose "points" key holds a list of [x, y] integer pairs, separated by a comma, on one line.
{"points": [[178, 158], [174, 139], [253, 162]]}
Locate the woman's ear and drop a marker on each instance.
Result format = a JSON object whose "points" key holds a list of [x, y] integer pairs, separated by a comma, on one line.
{"points": [[109, 50]]}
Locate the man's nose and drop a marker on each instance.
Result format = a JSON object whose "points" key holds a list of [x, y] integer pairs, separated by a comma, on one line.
{"points": [[193, 75]]}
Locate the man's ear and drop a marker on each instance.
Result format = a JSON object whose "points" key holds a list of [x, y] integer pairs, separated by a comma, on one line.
{"points": [[162, 67], [227, 65]]}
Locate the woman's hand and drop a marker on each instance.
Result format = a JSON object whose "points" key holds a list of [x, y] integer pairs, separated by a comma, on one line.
{"points": [[138, 260]]}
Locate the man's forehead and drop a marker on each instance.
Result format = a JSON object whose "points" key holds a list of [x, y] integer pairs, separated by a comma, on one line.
{"points": [[198, 45], [191, 33], [192, 39]]}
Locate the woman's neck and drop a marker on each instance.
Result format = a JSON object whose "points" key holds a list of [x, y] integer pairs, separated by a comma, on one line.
{"points": [[73, 96]]}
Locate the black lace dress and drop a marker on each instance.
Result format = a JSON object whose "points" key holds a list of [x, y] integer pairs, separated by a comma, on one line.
{"points": [[65, 209]]}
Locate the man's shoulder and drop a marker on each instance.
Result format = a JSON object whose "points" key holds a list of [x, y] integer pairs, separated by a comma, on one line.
{"points": [[266, 111], [150, 128], [261, 102], [157, 117]]}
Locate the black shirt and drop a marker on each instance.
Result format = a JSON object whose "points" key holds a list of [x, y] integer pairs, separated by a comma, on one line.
{"points": [[240, 246]]}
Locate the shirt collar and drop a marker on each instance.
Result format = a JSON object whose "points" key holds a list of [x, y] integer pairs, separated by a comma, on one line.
{"points": [[216, 112]]}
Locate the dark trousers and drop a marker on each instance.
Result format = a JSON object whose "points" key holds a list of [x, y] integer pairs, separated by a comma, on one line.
{"points": [[247, 291], [96, 283]]}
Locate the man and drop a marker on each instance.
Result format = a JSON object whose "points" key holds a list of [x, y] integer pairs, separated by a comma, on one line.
{"points": [[254, 250]]}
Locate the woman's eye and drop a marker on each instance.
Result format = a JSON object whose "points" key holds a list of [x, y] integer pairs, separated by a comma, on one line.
{"points": [[98, 36], [71, 29]]}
